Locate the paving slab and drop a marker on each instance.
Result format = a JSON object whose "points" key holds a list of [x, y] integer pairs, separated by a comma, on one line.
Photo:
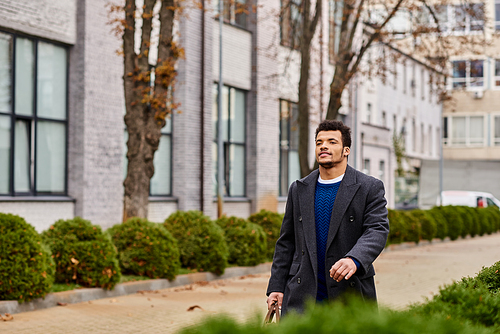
{"points": [[404, 275]]}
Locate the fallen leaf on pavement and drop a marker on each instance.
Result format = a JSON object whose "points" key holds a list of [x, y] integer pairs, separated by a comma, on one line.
{"points": [[113, 300], [62, 304], [222, 292], [7, 317], [191, 308]]}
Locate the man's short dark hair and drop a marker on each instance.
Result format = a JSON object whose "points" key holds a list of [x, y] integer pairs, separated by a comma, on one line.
{"points": [[333, 125]]}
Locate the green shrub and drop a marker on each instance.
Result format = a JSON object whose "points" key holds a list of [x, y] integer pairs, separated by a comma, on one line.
{"points": [[413, 228], [476, 222], [467, 220], [201, 241], [463, 302], [427, 224], [246, 241], [440, 220], [453, 221], [26, 268], [271, 223], [494, 218], [83, 254], [146, 249], [397, 227], [352, 318], [485, 220], [490, 277]]}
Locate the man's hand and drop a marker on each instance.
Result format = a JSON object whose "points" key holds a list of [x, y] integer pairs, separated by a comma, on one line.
{"points": [[275, 296], [343, 268]]}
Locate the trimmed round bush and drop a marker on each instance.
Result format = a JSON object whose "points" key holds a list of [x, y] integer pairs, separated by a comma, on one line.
{"points": [[246, 241], [476, 223], [413, 228], [271, 223], [453, 221], [494, 218], [397, 227], [428, 226], [83, 253], [26, 267], [146, 249], [467, 219], [441, 223], [485, 221], [201, 241]]}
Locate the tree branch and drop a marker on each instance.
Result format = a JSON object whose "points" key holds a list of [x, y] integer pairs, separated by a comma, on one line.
{"points": [[147, 23]]}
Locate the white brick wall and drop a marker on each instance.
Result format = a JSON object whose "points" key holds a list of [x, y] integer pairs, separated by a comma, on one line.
{"points": [[236, 56], [159, 211], [51, 19], [40, 214]]}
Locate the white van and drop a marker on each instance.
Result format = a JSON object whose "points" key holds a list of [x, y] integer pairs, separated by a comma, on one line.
{"points": [[474, 199]]}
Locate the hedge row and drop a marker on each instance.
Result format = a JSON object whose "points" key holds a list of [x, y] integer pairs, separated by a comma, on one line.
{"points": [[466, 307], [441, 222], [75, 251]]}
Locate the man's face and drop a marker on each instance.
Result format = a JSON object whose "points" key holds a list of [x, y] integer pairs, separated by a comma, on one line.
{"points": [[329, 149]]}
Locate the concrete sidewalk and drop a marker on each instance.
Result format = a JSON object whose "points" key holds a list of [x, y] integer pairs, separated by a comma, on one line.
{"points": [[404, 275]]}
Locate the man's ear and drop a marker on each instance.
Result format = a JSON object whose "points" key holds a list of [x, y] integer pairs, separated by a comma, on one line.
{"points": [[347, 151]]}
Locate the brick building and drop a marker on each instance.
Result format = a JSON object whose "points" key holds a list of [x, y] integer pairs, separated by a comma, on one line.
{"points": [[62, 135]]}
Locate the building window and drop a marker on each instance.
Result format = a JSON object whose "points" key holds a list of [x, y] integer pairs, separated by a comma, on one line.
{"points": [[460, 19], [335, 13], [423, 137], [384, 119], [496, 131], [404, 77], [234, 140], [291, 23], [497, 14], [289, 145], [413, 82], [468, 74], [234, 12], [430, 140], [368, 116], [381, 170], [366, 166], [33, 116], [422, 83], [464, 130], [414, 136], [497, 73]]}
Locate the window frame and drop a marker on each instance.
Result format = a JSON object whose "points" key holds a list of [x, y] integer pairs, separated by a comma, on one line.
{"points": [[467, 80], [495, 141], [448, 139], [450, 26], [288, 149], [228, 143], [292, 41], [231, 12], [495, 78], [34, 120]]}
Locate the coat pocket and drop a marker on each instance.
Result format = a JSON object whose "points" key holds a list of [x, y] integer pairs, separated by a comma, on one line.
{"points": [[294, 268]]}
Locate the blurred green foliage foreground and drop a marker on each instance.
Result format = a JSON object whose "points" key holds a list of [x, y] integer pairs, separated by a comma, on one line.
{"points": [[471, 305]]}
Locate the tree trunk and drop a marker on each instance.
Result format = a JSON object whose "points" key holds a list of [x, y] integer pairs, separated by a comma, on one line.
{"points": [[146, 105], [303, 117]]}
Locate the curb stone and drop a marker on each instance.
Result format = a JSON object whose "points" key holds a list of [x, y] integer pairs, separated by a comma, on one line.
{"points": [[122, 289]]}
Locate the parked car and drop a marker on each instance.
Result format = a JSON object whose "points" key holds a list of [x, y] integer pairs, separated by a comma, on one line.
{"points": [[474, 199]]}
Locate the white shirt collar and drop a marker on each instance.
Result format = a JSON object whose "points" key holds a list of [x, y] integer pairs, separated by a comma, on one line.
{"points": [[335, 180]]}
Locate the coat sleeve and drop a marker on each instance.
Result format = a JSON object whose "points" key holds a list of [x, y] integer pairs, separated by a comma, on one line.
{"points": [[375, 228], [285, 248]]}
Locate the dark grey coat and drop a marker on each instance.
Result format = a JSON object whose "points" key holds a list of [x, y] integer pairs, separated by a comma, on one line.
{"points": [[358, 229]]}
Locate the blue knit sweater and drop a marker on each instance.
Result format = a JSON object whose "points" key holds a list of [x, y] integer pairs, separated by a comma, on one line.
{"points": [[323, 204]]}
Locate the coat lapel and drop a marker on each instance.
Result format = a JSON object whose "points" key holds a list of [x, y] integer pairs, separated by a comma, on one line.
{"points": [[306, 188], [347, 190]]}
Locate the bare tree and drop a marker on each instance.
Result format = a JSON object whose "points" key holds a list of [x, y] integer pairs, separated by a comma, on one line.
{"points": [[148, 91]]}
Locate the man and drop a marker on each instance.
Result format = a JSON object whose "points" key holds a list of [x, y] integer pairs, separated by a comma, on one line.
{"points": [[335, 226]]}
